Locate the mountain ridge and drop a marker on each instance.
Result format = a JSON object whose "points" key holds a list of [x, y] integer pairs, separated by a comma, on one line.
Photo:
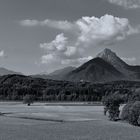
{"points": [[55, 75], [4, 71], [105, 67], [119, 64], [95, 70]]}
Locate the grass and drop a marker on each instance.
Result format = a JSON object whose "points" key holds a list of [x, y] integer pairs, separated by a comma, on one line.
{"points": [[41, 122]]}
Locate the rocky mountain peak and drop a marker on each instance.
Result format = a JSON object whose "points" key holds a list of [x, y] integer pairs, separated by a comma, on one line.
{"points": [[107, 55], [111, 57]]}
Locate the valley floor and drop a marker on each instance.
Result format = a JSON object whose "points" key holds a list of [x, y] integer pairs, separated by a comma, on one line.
{"points": [[58, 122]]}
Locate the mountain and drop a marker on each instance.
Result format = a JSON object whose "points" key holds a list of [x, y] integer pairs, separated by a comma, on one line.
{"points": [[62, 71], [4, 71], [111, 57], [57, 74], [95, 70], [105, 67], [60, 74], [131, 72]]}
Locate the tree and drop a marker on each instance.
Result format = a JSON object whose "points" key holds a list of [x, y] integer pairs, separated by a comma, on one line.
{"points": [[28, 99], [135, 96], [112, 104], [125, 111], [131, 111], [134, 114]]}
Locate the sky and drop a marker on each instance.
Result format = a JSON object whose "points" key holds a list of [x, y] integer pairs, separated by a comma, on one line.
{"points": [[44, 35]]}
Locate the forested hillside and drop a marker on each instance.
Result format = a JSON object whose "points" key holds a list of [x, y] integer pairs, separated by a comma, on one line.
{"points": [[15, 87]]}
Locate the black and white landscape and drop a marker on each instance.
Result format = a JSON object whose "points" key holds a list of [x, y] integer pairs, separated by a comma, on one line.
{"points": [[69, 70]]}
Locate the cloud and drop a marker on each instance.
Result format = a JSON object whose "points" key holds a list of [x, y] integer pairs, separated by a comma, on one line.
{"points": [[130, 60], [2, 54], [128, 4], [88, 32], [54, 49], [106, 29], [47, 59], [62, 25], [29, 22], [70, 51], [59, 50], [59, 43], [77, 61], [89, 29]]}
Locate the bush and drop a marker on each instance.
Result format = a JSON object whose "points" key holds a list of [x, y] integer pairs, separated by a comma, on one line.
{"points": [[28, 99], [112, 104], [134, 114], [125, 112], [135, 96], [131, 113]]}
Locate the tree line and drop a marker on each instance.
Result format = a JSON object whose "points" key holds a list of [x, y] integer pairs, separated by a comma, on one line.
{"points": [[16, 87]]}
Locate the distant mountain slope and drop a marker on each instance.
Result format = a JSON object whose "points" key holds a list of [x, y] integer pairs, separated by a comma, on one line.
{"points": [[95, 70], [57, 74], [62, 71], [4, 71]]}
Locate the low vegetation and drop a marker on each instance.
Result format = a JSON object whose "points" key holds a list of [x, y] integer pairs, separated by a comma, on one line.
{"points": [[23, 88], [130, 112], [112, 104], [28, 99], [125, 112], [15, 87]]}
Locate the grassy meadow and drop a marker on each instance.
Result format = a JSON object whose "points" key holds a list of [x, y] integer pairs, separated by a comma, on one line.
{"points": [[60, 122]]}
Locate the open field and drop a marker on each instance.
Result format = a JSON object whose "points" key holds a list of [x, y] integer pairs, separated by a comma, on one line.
{"points": [[60, 122]]}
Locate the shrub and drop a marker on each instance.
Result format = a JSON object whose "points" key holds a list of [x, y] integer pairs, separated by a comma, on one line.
{"points": [[134, 114], [131, 113], [125, 112], [135, 96], [112, 104], [28, 99]]}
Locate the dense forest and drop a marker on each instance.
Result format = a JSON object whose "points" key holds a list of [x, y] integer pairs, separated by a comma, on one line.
{"points": [[15, 87]]}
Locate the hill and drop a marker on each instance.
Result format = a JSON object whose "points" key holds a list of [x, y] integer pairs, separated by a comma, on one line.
{"points": [[4, 71], [56, 75], [95, 70], [15, 87]]}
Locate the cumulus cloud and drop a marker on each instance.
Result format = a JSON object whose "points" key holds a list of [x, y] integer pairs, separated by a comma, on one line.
{"points": [[88, 32], [59, 50], [105, 29], [128, 4], [89, 29], [59, 43]]}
